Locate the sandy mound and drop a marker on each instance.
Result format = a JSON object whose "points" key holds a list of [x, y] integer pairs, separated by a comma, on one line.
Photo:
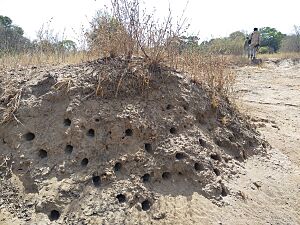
{"points": [[103, 138]]}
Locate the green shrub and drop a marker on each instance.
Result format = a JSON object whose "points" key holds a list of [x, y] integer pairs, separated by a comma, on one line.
{"points": [[264, 50]]}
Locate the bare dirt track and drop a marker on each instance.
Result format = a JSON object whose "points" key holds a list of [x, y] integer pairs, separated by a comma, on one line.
{"points": [[270, 94], [263, 189]]}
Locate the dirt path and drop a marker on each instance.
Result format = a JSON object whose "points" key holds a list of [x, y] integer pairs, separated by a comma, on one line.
{"points": [[270, 94]]}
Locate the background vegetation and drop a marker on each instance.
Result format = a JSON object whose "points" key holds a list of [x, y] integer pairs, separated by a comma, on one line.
{"points": [[127, 30], [124, 32]]}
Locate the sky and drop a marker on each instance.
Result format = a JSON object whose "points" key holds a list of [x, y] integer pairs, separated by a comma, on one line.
{"points": [[208, 19]]}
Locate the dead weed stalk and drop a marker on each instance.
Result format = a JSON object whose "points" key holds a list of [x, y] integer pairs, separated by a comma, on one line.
{"points": [[12, 107], [6, 166], [65, 84]]}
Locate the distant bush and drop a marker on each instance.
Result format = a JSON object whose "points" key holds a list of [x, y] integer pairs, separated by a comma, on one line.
{"points": [[271, 38], [11, 37], [265, 50], [291, 43], [128, 30], [232, 45]]}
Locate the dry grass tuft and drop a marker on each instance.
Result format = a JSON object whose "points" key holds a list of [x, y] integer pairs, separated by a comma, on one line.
{"points": [[12, 107], [32, 59], [281, 55], [5, 167], [212, 71], [65, 84], [128, 32]]}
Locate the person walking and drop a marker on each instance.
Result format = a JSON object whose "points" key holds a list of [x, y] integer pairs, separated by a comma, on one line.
{"points": [[255, 42], [247, 47]]}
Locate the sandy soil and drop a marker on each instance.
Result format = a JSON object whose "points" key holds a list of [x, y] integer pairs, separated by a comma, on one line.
{"points": [[269, 187], [270, 94], [264, 190]]}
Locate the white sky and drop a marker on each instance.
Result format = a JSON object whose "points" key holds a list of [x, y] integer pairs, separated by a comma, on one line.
{"points": [[208, 18]]}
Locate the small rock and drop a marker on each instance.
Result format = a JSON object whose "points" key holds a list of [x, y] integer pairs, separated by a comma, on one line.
{"points": [[159, 216], [257, 184]]}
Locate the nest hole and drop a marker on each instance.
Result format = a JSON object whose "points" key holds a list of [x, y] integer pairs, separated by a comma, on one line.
{"points": [[54, 215], [166, 175], [29, 136], [224, 191], [198, 167], [91, 133], [84, 162], [146, 205], [173, 130], [217, 171], [169, 106], [121, 198], [67, 122], [69, 149], [128, 132], [117, 167], [43, 154], [201, 119], [185, 107], [96, 181], [148, 147], [97, 120], [146, 177], [251, 143], [216, 156], [180, 155], [219, 143], [202, 142]]}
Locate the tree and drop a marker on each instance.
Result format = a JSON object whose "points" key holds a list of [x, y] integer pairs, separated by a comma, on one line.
{"points": [[237, 35], [187, 43], [291, 43], [67, 46], [232, 45], [5, 21], [11, 36], [272, 38]]}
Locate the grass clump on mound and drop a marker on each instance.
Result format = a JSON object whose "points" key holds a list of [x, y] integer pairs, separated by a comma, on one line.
{"points": [[128, 34], [128, 31]]}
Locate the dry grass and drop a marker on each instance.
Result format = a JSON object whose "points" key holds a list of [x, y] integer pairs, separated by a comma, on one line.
{"points": [[64, 84], [12, 107], [41, 59], [129, 31], [244, 61], [238, 60], [209, 70], [5, 167], [280, 55]]}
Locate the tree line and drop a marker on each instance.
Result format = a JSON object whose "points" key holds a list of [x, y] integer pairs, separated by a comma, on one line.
{"points": [[272, 41], [12, 41]]}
